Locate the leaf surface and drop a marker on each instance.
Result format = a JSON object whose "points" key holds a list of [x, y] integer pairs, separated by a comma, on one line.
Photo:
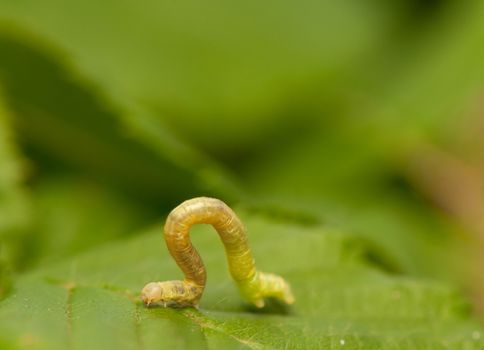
{"points": [[92, 301]]}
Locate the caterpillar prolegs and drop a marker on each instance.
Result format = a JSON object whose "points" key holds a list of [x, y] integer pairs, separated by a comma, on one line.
{"points": [[253, 284]]}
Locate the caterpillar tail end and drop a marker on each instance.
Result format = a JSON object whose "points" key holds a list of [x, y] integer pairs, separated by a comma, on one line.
{"points": [[268, 285], [259, 303], [287, 295]]}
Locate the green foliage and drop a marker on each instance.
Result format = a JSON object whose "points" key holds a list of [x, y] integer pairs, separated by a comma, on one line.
{"points": [[92, 301], [14, 208], [306, 116], [194, 64], [10, 176]]}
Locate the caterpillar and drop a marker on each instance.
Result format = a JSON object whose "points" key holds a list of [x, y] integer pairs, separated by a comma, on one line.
{"points": [[254, 285]]}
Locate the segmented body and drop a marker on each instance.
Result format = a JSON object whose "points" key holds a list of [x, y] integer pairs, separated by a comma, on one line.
{"points": [[254, 285]]}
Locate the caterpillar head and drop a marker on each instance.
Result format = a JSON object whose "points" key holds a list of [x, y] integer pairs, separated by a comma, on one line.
{"points": [[152, 293], [170, 293]]}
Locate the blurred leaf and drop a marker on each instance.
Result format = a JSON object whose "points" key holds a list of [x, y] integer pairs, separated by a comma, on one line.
{"points": [[68, 125], [72, 215], [14, 205], [96, 175], [223, 74], [5, 280], [92, 301], [353, 168]]}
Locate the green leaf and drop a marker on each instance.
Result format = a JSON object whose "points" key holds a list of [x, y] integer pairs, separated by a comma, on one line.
{"points": [[353, 171], [92, 301], [69, 125], [71, 215], [84, 147], [97, 89], [14, 205], [219, 73]]}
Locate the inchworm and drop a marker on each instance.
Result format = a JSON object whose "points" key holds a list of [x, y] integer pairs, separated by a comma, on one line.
{"points": [[254, 285]]}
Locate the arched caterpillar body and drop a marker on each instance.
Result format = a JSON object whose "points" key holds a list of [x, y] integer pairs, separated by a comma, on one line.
{"points": [[254, 285]]}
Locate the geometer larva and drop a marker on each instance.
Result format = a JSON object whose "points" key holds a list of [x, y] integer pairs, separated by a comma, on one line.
{"points": [[253, 285]]}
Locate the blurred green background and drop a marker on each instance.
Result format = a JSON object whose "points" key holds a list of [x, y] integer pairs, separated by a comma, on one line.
{"points": [[362, 116]]}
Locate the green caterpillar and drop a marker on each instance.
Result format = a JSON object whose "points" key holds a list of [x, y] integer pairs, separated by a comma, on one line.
{"points": [[253, 285]]}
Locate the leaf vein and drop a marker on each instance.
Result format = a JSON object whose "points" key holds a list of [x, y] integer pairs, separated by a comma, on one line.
{"points": [[204, 324]]}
